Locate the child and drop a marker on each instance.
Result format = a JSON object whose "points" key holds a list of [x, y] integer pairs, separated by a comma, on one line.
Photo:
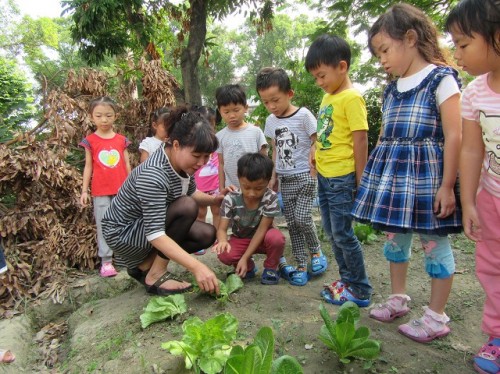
{"points": [[475, 28], [157, 134], [207, 177], [238, 137], [152, 220], [340, 156], [250, 212], [107, 165], [409, 183], [293, 132]]}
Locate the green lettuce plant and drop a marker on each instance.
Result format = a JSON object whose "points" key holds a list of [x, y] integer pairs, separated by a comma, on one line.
{"points": [[233, 283], [205, 345], [160, 308], [344, 338], [257, 358]]}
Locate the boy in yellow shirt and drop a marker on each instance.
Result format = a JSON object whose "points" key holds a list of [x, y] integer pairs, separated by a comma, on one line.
{"points": [[340, 157]]}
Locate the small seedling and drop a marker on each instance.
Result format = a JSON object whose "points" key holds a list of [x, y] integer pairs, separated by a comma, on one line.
{"points": [[342, 336]]}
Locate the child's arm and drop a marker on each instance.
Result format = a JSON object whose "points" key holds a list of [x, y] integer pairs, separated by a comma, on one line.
{"points": [[127, 161], [312, 155], [87, 174], [360, 149], [273, 183], [258, 238], [222, 175], [222, 243], [144, 155], [471, 159], [444, 202]]}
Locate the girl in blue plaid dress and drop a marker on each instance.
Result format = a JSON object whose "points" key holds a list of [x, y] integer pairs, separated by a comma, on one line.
{"points": [[410, 182]]}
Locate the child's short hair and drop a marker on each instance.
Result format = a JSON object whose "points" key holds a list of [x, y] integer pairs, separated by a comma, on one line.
{"points": [[191, 129], [477, 16], [328, 50], [103, 100], [230, 94], [268, 77], [255, 166]]}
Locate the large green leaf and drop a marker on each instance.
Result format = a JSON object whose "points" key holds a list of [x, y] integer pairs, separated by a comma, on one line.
{"points": [[286, 365], [349, 311], [160, 308], [368, 350], [265, 341]]}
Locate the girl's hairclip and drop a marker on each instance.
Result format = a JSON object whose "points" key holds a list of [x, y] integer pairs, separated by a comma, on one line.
{"points": [[183, 115]]}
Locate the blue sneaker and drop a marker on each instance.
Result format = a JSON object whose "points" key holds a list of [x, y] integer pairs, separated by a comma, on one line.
{"points": [[338, 294]]}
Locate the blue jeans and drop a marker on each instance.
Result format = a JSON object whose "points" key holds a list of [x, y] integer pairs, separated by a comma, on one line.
{"points": [[336, 197]]}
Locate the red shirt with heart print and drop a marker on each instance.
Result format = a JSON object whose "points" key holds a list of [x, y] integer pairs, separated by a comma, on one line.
{"points": [[108, 166]]}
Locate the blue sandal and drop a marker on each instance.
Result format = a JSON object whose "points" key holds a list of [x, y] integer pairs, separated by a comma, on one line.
{"points": [[286, 271], [319, 264], [299, 277], [270, 277]]}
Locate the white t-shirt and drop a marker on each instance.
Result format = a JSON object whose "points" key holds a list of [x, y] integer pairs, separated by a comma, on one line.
{"points": [[150, 144], [292, 138], [446, 88], [235, 143]]}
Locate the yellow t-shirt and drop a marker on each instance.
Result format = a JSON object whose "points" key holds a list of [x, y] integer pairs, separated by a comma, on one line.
{"points": [[339, 115]]}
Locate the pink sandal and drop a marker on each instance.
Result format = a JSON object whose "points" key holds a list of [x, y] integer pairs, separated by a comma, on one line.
{"points": [[427, 328], [6, 356], [395, 306]]}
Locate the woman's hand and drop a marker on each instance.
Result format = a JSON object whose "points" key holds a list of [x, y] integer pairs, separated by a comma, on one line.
{"points": [[206, 279]]}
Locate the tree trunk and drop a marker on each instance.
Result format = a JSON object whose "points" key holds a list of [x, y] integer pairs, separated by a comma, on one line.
{"points": [[191, 54]]}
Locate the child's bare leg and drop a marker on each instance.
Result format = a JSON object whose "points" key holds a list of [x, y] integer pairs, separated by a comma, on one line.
{"points": [[202, 213], [440, 291], [399, 271], [215, 216]]}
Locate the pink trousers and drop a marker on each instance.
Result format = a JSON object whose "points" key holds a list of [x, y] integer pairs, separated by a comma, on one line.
{"points": [[272, 246], [488, 260]]}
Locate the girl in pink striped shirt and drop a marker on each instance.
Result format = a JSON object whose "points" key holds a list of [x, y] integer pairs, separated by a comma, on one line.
{"points": [[475, 28]]}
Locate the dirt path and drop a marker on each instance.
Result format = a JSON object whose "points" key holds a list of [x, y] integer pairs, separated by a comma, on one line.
{"points": [[104, 334]]}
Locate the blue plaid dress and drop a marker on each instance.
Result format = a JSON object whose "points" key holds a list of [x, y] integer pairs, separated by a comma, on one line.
{"points": [[404, 172]]}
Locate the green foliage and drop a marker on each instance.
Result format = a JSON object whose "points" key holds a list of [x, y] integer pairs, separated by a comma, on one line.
{"points": [[16, 100], [206, 345], [257, 358], [365, 233], [233, 284], [160, 308], [373, 99], [342, 336]]}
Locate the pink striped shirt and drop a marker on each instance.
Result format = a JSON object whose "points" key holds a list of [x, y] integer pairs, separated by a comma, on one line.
{"points": [[481, 104]]}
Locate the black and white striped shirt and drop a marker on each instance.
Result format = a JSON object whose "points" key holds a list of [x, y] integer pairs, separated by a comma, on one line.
{"points": [[136, 215]]}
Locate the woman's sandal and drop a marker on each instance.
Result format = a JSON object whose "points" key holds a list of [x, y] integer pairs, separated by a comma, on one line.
{"points": [[319, 263], [156, 289], [270, 276], [299, 277], [138, 274], [6, 356]]}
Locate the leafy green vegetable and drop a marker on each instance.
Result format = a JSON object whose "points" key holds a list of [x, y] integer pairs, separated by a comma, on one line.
{"points": [[160, 308], [257, 358], [364, 233], [343, 338], [205, 345], [233, 284]]}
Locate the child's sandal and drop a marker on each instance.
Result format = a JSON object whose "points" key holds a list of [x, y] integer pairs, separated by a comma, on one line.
{"points": [[422, 331], [319, 263], [286, 271], [487, 360], [270, 277], [299, 277]]}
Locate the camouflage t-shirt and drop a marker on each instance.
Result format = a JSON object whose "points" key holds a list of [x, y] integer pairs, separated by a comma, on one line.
{"points": [[244, 222]]}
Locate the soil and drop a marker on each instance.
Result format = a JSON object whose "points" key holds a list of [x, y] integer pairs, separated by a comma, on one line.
{"points": [[97, 329]]}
